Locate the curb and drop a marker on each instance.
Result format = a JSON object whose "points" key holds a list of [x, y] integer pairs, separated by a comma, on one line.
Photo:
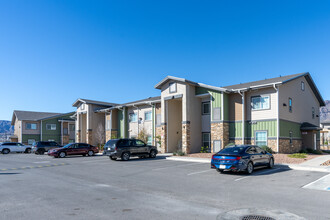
{"points": [[291, 166]]}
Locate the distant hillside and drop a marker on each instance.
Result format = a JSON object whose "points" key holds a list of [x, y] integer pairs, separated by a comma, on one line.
{"points": [[5, 127], [325, 112]]}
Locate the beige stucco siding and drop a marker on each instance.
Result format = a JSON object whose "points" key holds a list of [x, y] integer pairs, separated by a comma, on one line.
{"points": [[302, 102], [267, 114], [235, 107], [17, 129], [135, 127]]}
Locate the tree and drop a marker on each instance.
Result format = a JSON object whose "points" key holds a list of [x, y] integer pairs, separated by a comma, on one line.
{"points": [[100, 134]]}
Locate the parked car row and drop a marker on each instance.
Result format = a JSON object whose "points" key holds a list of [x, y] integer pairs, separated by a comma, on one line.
{"points": [[234, 158]]}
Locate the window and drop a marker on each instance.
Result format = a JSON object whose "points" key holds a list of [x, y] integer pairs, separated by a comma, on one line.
{"points": [[139, 143], [251, 150], [260, 102], [216, 114], [133, 117], [172, 87], [206, 140], [290, 136], [158, 120], [302, 86], [261, 138], [290, 104], [108, 125], [51, 127], [206, 108], [149, 142], [82, 106], [65, 131], [31, 141], [71, 127], [31, 126], [124, 143], [147, 116], [313, 112]]}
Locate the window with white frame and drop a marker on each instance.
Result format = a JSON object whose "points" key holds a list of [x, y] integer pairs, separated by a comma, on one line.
{"points": [[31, 141], [172, 86], [132, 117], [148, 116], [158, 119], [31, 126], [149, 140], [206, 139], [290, 104], [216, 114], [302, 86], [51, 127], [261, 138], [260, 102], [108, 125], [82, 106], [313, 112], [206, 108]]}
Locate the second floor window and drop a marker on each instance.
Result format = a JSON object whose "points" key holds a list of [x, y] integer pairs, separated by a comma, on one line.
{"points": [[260, 102], [147, 116], [172, 87], [205, 108], [51, 127], [302, 86], [133, 117], [313, 112], [31, 126], [290, 104]]}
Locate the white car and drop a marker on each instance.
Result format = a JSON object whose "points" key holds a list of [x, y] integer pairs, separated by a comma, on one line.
{"points": [[8, 147]]}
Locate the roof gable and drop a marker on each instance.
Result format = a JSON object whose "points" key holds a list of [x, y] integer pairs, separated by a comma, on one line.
{"points": [[88, 101]]}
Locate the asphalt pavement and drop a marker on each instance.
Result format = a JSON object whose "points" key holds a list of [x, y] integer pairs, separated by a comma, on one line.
{"points": [[42, 187]]}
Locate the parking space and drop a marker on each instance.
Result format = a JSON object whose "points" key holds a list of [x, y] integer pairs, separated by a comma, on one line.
{"points": [[97, 187]]}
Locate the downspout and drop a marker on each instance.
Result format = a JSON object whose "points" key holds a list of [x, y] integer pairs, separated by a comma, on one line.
{"points": [[62, 133], [138, 119], [243, 115], [40, 130], [278, 118], [153, 126], [111, 124]]}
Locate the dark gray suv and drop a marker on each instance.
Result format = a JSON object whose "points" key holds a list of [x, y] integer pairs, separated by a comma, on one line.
{"points": [[125, 148]]}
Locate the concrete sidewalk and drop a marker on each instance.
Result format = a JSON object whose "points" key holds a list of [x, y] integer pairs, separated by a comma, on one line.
{"points": [[311, 165]]}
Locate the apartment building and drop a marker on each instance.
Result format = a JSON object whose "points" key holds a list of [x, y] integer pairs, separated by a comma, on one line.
{"points": [[33, 126]]}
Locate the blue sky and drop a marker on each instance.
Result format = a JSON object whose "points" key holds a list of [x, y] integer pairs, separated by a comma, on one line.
{"points": [[53, 52]]}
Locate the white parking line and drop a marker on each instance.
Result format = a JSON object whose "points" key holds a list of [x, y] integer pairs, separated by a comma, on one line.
{"points": [[204, 171], [268, 171], [190, 164], [309, 184]]}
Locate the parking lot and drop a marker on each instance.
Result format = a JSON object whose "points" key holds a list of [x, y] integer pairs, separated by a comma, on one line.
{"points": [[42, 187]]}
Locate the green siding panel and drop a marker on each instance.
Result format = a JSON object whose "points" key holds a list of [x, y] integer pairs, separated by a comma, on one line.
{"points": [[25, 137], [270, 126], [225, 106], [287, 126], [216, 99], [235, 129]]}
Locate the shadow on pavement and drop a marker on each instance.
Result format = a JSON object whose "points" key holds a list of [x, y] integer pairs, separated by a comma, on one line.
{"points": [[260, 171], [9, 173]]}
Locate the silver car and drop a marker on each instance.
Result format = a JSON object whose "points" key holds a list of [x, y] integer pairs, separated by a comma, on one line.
{"points": [[9, 147]]}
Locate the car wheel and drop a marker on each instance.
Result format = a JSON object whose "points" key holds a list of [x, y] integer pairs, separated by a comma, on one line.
{"points": [[41, 151], [62, 154], [90, 153], [152, 154], [271, 163], [125, 156], [28, 151], [113, 158], [5, 151], [249, 168]]}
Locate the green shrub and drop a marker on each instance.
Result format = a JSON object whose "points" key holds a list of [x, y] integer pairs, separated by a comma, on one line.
{"points": [[204, 149], [267, 149], [304, 151], [180, 153], [312, 151], [298, 155], [175, 153], [326, 142]]}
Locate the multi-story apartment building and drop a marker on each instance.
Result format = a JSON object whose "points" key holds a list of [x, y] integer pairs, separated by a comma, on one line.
{"points": [[43, 126]]}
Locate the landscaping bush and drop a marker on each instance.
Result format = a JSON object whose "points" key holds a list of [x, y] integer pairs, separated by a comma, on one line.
{"points": [[298, 155], [204, 149], [175, 153], [326, 142], [312, 151], [180, 153], [304, 151], [267, 149]]}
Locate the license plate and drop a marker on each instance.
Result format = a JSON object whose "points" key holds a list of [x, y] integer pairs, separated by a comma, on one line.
{"points": [[222, 167]]}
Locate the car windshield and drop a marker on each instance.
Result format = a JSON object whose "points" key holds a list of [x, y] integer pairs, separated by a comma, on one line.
{"points": [[232, 150], [111, 143], [68, 145]]}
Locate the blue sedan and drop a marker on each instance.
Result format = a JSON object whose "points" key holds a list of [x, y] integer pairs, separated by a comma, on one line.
{"points": [[241, 158]]}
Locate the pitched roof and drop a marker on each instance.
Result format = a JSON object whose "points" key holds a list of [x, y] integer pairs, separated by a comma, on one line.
{"points": [[150, 99], [280, 79], [31, 116], [88, 101]]}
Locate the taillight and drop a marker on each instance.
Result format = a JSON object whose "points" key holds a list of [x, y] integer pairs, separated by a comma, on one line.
{"points": [[238, 158], [116, 148], [213, 156]]}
